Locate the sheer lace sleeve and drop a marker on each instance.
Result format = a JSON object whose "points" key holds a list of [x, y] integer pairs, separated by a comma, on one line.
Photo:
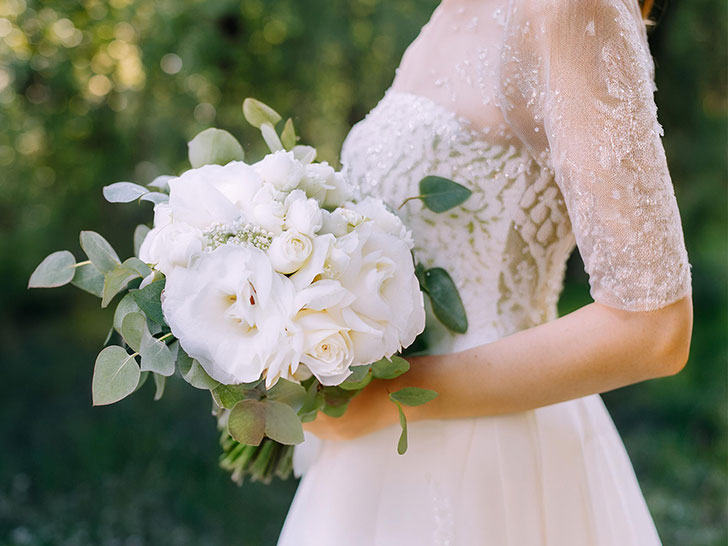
{"points": [[578, 79]]}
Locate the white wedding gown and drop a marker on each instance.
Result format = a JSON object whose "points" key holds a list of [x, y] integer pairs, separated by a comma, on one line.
{"points": [[545, 110]]}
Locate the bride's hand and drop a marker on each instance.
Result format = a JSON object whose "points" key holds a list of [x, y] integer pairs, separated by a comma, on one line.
{"points": [[369, 411]]}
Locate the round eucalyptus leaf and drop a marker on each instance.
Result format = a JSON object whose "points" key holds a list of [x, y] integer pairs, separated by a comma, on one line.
{"points": [[288, 135], [133, 327], [55, 270], [140, 233], [246, 422], [123, 192], [155, 197], [193, 372], [159, 382], [282, 424], [149, 299], [87, 277], [116, 280], [288, 392], [402, 443], [271, 137], [156, 356], [256, 113], [214, 147], [116, 375], [390, 368], [161, 183], [126, 305], [99, 251]]}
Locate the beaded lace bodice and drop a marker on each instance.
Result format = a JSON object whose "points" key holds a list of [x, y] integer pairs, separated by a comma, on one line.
{"points": [[545, 110]]}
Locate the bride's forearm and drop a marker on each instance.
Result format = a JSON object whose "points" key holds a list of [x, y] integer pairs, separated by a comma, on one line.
{"points": [[593, 349]]}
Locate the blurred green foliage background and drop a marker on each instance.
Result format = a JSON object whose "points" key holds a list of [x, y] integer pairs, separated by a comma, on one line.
{"points": [[92, 92]]}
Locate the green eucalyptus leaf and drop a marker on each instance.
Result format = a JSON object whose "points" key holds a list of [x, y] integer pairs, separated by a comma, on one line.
{"points": [[226, 396], [214, 147], [133, 327], [126, 305], [193, 372], [445, 299], [441, 194], [402, 444], [389, 369], [155, 197], [149, 300], [256, 113], [358, 373], [271, 137], [142, 379], [55, 270], [288, 135], [87, 277], [314, 399], [123, 192], [115, 281], [156, 356], [246, 422], [137, 265], [140, 233], [116, 375], [413, 396], [159, 382], [282, 424], [335, 411], [161, 183], [288, 392], [350, 385], [99, 251]]}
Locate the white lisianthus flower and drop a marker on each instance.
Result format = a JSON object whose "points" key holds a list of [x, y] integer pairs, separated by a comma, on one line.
{"points": [[281, 169], [386, 221], [328, 350], [303, 214], [381, 276], [289, 251], [233, 313]]}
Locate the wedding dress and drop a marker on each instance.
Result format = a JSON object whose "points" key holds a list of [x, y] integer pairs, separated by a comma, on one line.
{"points": [[545, 110]]}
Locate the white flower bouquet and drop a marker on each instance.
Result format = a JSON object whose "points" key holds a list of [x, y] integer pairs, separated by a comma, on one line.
{"points": [[269, 284]]}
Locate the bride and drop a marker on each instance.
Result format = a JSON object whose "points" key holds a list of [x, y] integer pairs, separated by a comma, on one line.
{"points": [[545, 110]]}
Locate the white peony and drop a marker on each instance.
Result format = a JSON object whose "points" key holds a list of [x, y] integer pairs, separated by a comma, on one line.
{"points": [[266, 209], [170, 246], [233, 313], [281, 169], [289, 251], [381, 276]]}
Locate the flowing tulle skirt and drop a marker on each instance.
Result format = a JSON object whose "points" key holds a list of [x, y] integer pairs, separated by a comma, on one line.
{"points": [[556, 476]]}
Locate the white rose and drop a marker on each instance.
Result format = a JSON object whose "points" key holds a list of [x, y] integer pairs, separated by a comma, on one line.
{"points": [[170, 246], [381, 275], [386, 221], [233, 313], [266, 209], [303, 214], [328, 350], [289, 251], [281, 169]]}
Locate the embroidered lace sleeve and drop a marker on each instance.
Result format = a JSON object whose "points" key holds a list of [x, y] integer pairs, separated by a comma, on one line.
{"points": [[584, 75]]}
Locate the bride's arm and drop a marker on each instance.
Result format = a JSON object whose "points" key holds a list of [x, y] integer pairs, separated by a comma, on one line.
{"points": [[593, 95], [594, 349]]}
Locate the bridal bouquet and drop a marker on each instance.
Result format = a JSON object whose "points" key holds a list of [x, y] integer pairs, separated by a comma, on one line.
{"points": [[269, 284]]}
